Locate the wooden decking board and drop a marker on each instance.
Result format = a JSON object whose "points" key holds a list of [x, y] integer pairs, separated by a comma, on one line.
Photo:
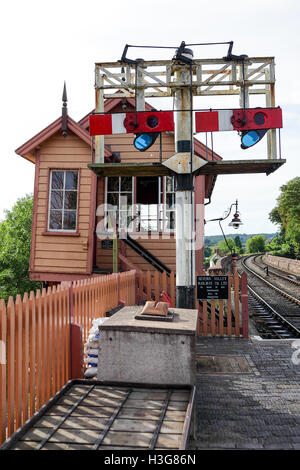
{"points": [[84, 422], [36, 434], [168, 440], [171, 427], [139, 413], [86, 417], [180, 396], [148, 395], [76, 422], [48, 421], [80, 436], [136, 439], [177, 405], [100, 411], [133, 403], [66, 446], [101, 401], [134, 425], [175, 415]]}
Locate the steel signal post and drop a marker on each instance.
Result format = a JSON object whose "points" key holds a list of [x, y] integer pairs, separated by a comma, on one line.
{"points": [[184, 196]]}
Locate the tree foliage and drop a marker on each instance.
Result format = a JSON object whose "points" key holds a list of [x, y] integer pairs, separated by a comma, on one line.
{"points": [[229, 247], [207, 251], [286, 214], [15, 241], [256, 244], [238, 244]]}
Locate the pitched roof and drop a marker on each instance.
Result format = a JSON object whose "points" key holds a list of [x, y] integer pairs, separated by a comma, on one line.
{"points": [[27, 149]]}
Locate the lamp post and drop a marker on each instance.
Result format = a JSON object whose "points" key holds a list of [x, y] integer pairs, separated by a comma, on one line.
{"points": [[235, 223]]}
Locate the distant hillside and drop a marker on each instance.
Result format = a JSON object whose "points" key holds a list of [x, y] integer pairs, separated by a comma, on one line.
{"points": [[213, 240]]}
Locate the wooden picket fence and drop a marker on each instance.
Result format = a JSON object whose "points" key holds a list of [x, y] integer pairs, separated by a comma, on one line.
{"points": [[151, 284], [34, 334], [226, 317], [93, 297], [216, 317], [35, 346]]}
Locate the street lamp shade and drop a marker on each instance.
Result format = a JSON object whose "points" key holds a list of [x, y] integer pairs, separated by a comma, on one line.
{"points": [[236, 222]]}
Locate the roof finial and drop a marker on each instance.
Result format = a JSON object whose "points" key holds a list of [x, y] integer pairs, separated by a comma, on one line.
{"points": [[64, 122]]}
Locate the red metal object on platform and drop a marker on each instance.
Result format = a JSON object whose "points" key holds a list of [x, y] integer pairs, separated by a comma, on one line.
{"points": [[166, 298]]}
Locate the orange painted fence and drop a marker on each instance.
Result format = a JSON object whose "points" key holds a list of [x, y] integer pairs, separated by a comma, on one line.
{"points": [[150, 285], [36, 332], [93, 297], [40, 334], [35, 359]]}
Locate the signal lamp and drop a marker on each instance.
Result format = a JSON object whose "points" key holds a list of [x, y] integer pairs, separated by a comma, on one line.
{"points": [[152, 121], [145, 140], [250, 138]]}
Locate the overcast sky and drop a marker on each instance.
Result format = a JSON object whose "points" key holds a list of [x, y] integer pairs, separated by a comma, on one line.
{"points": [[46, 42]]}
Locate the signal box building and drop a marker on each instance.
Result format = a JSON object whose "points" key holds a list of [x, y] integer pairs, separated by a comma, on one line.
{"points": [[74, 208]]}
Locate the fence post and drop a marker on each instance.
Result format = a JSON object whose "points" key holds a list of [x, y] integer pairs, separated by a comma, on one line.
{"points": [[136, 295], [76, 345], [119, 287], [3, 366], [244, 299]]}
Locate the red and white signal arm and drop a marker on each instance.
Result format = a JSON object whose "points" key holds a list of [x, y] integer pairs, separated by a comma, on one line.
{"points": [[128, 123], [205, 121], [233, 119]]}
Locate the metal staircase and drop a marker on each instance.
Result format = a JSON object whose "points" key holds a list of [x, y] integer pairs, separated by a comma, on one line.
{"points": [[144, 253]]}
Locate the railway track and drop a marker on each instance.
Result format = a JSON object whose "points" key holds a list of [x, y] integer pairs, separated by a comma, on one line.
{"points": [[275, 311], [291, 282]]}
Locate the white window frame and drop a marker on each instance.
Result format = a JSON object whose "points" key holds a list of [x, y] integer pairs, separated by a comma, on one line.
{"points": [[110, 230], [165, 210], [158, 211], [63, 209], [162, 210]]}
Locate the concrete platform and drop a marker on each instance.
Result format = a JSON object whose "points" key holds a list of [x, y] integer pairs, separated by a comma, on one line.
{"points": [[248, 395]]}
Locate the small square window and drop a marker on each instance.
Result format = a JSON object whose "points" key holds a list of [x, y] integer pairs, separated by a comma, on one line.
{"points": [[63, 200]]}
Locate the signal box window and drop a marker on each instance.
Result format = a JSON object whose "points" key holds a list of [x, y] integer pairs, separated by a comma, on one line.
{"points": [[63, 200], [169, 204], [119, 191], [143, 204], [147, 202]]}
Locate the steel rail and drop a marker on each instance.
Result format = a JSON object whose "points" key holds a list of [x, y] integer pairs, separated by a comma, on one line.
{"points": [[292, 281], [270, 284], [289, 326], [277, 316]]}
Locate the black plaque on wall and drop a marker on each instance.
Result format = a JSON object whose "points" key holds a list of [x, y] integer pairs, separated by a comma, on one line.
{"points": [[107, 244], [212, 287]]}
